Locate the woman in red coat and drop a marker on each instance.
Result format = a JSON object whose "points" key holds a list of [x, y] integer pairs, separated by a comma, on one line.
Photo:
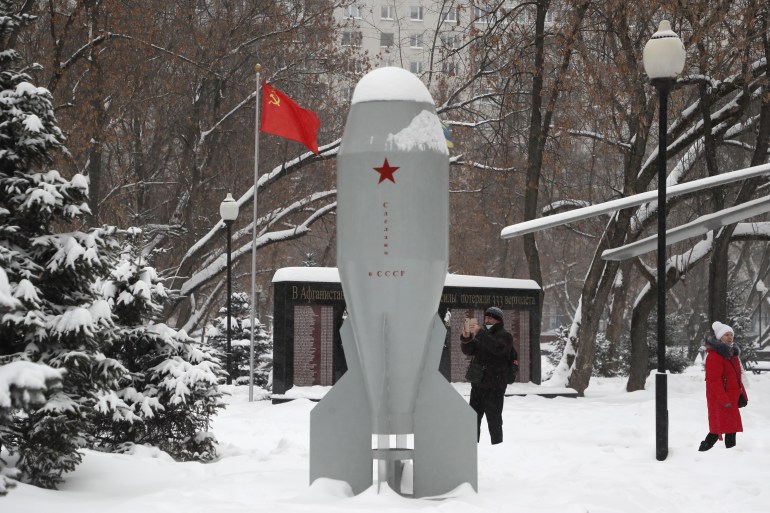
{"points": [[723, 387]]}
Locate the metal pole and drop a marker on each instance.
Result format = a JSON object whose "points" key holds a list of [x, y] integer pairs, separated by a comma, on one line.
{"points": [[257, 70], [229, 306], [661, 383]]}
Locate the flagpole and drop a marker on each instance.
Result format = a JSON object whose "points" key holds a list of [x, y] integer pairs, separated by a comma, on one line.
{"points": [[257, 69]]}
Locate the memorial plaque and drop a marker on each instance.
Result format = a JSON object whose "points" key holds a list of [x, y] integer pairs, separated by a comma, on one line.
{"points": [[308, 314], [313, 345], [326, 363], [523, 345], [306, 346]]}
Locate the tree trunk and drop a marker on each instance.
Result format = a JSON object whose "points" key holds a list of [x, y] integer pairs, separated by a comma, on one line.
{"points": [[718, 268], [639, 366], [94, 172], [615, 324], [593, 300], [717, 297], [140, 203], [535, 144], [100, 118]]}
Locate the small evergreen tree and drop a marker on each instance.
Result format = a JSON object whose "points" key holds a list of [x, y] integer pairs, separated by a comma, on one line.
{"points": [[23, 387], [240, 342], [170, 390], [677, 341], [739, 317], [309, 259], [60, 321]]}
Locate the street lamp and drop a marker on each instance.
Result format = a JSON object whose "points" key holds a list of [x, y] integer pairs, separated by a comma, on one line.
{"points": [[761, 289], [228, 209], [663, 58]]}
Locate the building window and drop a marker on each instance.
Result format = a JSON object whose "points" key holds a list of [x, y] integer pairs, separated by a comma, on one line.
{"points": [[415, 67], [388, 12], [356, 66], [449, 67], [354, 11], [450, 41], [386, 39], [480, 15], [415, 13], [351, 38], [415, 40], [450, 16]]}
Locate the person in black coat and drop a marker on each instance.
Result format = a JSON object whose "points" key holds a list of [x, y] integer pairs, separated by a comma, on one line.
{"points": [[491, 347]]}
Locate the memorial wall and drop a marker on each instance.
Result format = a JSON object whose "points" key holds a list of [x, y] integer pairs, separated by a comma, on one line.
{"points": [[313, 345], [309, 307]]}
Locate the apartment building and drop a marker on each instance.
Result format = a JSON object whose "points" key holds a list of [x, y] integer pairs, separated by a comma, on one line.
{"points": [[404, 32]]}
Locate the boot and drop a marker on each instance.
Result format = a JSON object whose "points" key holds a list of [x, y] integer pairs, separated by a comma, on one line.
{"points": [[709, 442], [730, 440]]}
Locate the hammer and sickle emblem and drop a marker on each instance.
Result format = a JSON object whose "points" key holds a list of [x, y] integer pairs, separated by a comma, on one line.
{"points": [[274, 100]]}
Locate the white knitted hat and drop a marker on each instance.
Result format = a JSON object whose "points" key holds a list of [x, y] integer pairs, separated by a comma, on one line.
{"points": [[720, 329]]}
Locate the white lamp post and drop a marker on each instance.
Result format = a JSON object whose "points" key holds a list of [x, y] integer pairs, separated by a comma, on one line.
{"points": [[664, 57], [228, 209]]}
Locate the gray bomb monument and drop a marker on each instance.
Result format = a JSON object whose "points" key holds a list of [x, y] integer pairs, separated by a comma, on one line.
{"points": [[392, 406]]}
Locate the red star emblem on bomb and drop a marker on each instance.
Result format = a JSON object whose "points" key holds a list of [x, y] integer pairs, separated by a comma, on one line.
{"points": [[386, 172]]}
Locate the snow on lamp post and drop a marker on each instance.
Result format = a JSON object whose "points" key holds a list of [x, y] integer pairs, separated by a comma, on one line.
{"points": [[663, 57], [228, 209], [761, 289]]}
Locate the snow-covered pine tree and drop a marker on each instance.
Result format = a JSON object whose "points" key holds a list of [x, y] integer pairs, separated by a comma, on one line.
{"points": [[60, 321], [240, 341], [263, 356], [23, 386], [310, 259], [172, 388]]}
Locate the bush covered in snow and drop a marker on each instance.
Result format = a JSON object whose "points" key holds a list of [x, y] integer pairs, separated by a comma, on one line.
{"points": [[169, 393], [615, 361], [23, 387], [240, 341]]}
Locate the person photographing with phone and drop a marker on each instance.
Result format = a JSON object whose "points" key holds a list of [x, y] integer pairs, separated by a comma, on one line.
{"points": [[491, 346]]}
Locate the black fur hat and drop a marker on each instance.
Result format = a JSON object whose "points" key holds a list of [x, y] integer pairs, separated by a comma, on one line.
{"points": [[495, 313]]}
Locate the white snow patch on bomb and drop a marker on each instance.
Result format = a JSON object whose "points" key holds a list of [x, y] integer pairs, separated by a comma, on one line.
{"points": [[423, 133], [388, 84]]}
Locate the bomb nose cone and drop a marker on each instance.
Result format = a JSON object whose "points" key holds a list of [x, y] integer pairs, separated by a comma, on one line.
{"points": [[391, 84]]}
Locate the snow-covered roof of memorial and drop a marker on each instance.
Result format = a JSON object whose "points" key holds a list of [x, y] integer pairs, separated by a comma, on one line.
{"points": [[331, 274], [390, 83]]}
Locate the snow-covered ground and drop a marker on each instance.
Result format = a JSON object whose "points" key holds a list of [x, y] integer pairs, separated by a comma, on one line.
{"points": [[594, 454]]}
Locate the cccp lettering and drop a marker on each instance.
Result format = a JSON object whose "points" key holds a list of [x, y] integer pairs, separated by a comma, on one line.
{"points": [[394, 273]]}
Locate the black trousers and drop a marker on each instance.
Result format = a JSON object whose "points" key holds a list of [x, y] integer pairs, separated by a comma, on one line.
{"points": [[489, 402]]}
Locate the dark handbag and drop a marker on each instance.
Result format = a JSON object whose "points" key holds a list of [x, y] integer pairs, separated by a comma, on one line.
{"points": [[474, 373], [742, 400]]}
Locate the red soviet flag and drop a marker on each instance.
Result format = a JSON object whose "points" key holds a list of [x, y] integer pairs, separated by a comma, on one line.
{"points": [[284, 118]]}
